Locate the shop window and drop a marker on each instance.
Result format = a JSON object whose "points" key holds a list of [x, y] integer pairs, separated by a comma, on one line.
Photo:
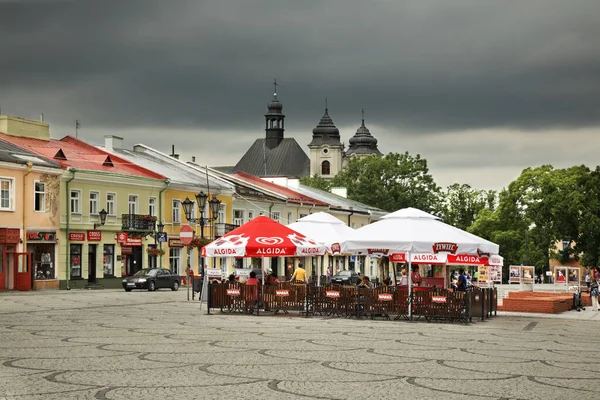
{"points": [[175, 260], [6, 194], [43, 261], [110, 203], [109, 260], [75, 201], [75, 255], [39, 196]]}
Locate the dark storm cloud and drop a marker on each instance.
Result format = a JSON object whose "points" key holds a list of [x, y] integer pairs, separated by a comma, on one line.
{"points": [[417, 66]]}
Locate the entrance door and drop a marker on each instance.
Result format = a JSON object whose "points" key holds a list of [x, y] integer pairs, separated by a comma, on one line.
{"points": [[22, 268], [134, 260], [92, 263]]}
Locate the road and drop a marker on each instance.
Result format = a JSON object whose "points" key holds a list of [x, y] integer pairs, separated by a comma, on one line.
{"points": [[110, 344]]}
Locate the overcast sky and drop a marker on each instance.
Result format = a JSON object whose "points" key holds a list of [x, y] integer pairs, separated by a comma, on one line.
{"points": [[481, 89]]}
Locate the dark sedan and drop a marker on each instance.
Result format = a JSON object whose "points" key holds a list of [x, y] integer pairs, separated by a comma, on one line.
{"points": [[152, 279], [345, 278]]}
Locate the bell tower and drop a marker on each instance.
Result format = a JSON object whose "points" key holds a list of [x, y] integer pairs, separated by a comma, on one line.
{"points": [[274, 118], [326, 149]]}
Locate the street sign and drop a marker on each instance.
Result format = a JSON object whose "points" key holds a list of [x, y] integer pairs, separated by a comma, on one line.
{"points": [[162, 237], [186, 234]]}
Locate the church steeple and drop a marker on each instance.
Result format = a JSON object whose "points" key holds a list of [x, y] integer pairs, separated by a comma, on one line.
{"points": [[274, 125], [362, 143]]}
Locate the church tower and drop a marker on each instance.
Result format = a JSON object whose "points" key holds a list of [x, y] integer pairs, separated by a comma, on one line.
{"points": [[274, 121], [362, 144], [326, 149]]}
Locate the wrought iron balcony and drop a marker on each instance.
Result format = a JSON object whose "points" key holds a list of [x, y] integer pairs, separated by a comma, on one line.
{"points": [[138, 222], [223, 229]]}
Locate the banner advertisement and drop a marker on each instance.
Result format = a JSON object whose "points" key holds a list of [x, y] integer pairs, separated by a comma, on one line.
{"points": [[483, 273]]}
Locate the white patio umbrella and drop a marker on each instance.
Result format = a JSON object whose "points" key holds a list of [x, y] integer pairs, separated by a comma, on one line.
{"points": [[411, 231], [325, 229]]}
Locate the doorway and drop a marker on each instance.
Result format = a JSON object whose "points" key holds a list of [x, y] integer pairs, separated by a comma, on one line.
{"points": [[92, 263], [134, 260]]}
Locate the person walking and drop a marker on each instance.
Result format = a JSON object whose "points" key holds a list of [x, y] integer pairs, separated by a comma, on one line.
{"points": [[594, 294], [587, 281]]}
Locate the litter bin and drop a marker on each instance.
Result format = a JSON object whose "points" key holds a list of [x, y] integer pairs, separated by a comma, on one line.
{"points": [[197, 284]]}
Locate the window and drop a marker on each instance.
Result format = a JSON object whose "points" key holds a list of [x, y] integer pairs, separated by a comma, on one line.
{"points": [[110, 203], [109, 260], [276, 216], [75, 201], [39, 196], [175, 260], [250, 215], [75, 261], [6, 194], [152, 206], [94, 197], [133, 204], [289, 218], [325, 167], [176, 216], [238, 217], [222, 213]]}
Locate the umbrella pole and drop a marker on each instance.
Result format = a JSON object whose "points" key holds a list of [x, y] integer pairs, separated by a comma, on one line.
{"points": [[319, 270], [409, 273]]}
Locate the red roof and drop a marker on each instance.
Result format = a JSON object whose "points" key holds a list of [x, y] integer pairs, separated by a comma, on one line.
{"points": [[292, 195], [80, 155]]}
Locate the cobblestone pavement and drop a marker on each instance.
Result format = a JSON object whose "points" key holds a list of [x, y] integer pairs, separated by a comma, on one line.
{"points": [[115, 345]]}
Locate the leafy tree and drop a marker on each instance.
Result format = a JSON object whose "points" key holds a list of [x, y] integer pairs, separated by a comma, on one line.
{"points": [[462, 203], [317, 182], [391, 182], [588, 239]]}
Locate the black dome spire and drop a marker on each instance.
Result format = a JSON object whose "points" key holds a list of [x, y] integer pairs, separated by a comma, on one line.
{"points": [[325, 132], [363, 143]]}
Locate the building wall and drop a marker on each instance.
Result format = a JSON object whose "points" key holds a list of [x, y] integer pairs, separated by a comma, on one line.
{"points": [[333, 155]]}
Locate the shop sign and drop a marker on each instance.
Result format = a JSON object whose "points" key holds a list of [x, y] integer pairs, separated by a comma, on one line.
{"points": [[445, 247], [282, 293], [465, 259], [438, 299], [336, 248], [384, 297], [398, 257], [377, 252], [175, 242], [214, 273], [41, 236], [132, 242], [10, 235], [94, 236], [233, 292], [122, 237], [333, 294], [126, 250], [77, 236]]}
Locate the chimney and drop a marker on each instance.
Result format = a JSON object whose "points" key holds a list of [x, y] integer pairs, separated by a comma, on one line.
{"points": [[26, 128], [193, 159], [112, 142], [175, 156], [41, 117]]}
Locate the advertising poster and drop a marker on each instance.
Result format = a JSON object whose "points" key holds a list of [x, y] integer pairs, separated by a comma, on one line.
{"points": [[483, 273], [561, 275], [528, 274], [495, 273], [514, 274]]}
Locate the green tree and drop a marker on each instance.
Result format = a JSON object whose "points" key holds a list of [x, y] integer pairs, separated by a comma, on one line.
{"points": [[317, 182], [391, 182], [588, 240], [462, 203]]}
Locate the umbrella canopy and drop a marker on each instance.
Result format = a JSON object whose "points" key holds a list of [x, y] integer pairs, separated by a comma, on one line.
{"points": [[324, 228], [415, 231], [263, 237]]}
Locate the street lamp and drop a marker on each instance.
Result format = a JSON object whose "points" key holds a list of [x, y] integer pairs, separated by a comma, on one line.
{"points": [[103, 214], [201, 200]]}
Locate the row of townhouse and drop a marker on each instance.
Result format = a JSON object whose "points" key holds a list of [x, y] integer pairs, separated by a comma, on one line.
{"points": [[74, 215]]}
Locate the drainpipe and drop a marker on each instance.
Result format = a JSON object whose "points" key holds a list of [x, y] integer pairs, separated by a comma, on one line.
{"points": [[29, 167], [167, 183], [68, 208], [349, 216]]}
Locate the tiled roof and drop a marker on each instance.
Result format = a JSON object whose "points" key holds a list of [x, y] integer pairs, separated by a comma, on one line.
{"points": [[80, 155], [14, 154], [292, 195], [287, 159]]}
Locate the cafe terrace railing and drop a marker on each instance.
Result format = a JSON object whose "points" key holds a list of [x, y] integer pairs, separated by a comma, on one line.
{"points": [[350, 302]]}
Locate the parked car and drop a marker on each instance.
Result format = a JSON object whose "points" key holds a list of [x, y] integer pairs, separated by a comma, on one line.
{"points": [[152, 279], [345, 278]]}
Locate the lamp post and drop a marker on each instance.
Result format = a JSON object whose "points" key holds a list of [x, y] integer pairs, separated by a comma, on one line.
{"points": [[102, 214], [202, 200], [158, 232]]}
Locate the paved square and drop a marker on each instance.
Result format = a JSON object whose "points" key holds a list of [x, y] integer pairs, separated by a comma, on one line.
{"points": [[116, 345]]}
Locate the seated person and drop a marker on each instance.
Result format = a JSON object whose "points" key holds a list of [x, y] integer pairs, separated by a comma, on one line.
{"points": [[365, 283], [415, 276], [403, 279]]}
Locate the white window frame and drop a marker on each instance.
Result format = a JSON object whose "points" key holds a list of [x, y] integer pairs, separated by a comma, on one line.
{"points": [[94, 202], [111, 208], [239, 221], [289, 218], [276, 215], [11, 193], [176, 211], [42, 194], [250, 215], [152, 206], [133, 203], [75, 202], [175, 254], [222, 214]]}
